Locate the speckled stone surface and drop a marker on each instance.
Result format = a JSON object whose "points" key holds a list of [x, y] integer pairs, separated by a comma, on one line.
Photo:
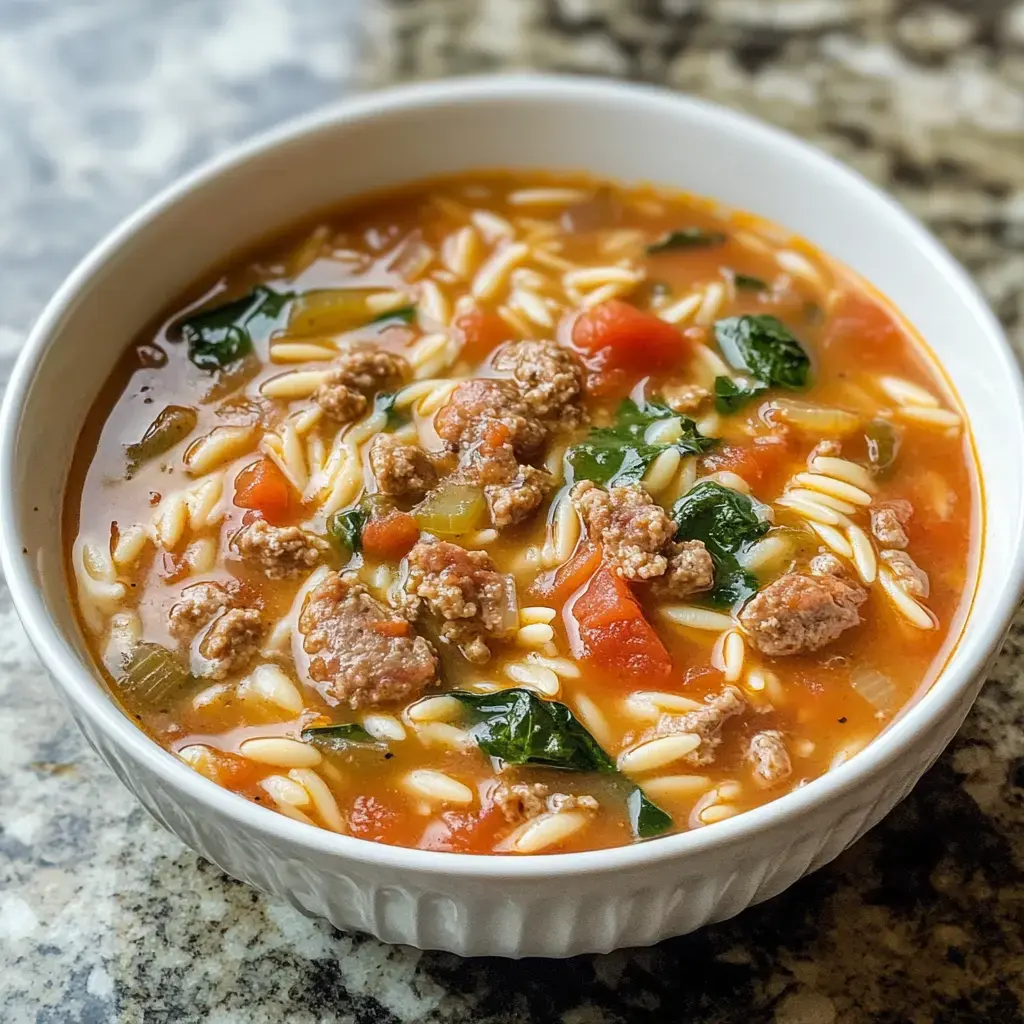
{"points": [[104, 917]]}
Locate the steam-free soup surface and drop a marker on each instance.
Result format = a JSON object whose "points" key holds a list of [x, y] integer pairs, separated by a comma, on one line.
{"points": [[515, 514]]}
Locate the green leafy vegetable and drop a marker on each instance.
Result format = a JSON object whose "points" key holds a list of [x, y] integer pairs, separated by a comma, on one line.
{"points": [[520, 728], [619, 454], [220, 337], [727, 522], [748, 283], [385, 402], [646, 818], [406, 314], [687, 238], [346, 528], [883, 443], [173, 424], [339, 738], [153, 675], [763, 346], [731, 397]]}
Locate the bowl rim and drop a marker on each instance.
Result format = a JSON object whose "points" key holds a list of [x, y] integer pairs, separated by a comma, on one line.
{"points": [[78, 683]]}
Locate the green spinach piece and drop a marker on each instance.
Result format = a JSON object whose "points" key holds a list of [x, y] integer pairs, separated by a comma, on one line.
{"points": [[385, 402], [619, 454], [346, 528], [405, 314], [727, 522], [687, 238], [750, 284], [339, 738], [646, 818], [520, 728], [763, 346], [220, 337], [731, 397], [173, 424]]}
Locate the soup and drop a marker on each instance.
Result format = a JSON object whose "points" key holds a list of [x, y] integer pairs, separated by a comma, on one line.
{"points": [[522, 513]]}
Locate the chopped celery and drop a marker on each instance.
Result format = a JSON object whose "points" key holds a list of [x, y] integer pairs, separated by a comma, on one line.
{"points": [[451, 510], [153, 675], [173, 424]]}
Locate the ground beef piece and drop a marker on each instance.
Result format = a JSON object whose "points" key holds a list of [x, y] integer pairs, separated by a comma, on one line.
{"points": [[197, 606], [401, 470], [463, 589], [706, 722], [355, 377], [887, 524], [551, 379], [633, 531], [490, 413], [827, 564], [231, 642], [800, 613], [910, 577], [362, 653], [279, 551], [513, 491], [690, 571], [522, 801], [767, 752], [686, 398]]}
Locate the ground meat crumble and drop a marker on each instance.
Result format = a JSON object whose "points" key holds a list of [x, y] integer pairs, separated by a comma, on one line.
{"points": [[705, 722], [402, 470], [801, 612], [355, 377], [769, 757], [521, 801], [550, 378], [233, 632], [636, 536], [910, 577], [280, 551], [361, 652], [463, 589]]}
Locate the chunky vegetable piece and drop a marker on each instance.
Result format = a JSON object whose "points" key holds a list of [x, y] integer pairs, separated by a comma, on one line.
{"points": [[521, 514], [620, 454]]}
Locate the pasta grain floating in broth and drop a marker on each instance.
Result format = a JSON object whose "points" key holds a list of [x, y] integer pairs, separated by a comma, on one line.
{"points": [[558, 515]]}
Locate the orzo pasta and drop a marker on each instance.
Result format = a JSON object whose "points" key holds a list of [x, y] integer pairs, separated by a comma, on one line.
{"points": [[521, 513]]}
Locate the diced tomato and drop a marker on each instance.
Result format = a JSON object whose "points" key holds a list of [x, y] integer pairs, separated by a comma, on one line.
{"points": [[390, 537], [560, 584], [612, 633], [481, 332], [755, 463], [372, 819], [874, 329], [615, 336], [261, 486], [465, 831]]}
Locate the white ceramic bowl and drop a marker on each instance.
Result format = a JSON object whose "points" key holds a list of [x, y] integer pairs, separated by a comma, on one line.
{"points": [[549, 905]]}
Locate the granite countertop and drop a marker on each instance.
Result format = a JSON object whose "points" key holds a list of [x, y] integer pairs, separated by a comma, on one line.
{"points": [[103, 916]]}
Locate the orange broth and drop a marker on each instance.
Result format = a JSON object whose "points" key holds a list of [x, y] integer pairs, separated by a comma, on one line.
{"points": [[423, 247]]}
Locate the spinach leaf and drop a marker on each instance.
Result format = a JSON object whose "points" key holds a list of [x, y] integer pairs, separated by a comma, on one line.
{"points": [[405, 314], [173, 424], [520, 728], [727, 522], [731, 397], [763, 346], [646, 818], [748, 283], [619, 454], [686, 238], [385, 402], [346, 528], [339, 738], [220, 337]]}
